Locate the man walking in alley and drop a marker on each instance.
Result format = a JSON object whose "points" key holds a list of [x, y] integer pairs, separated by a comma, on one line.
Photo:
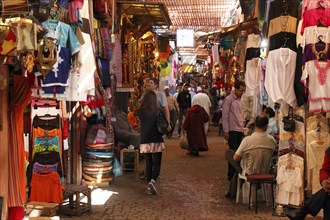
{"points": [[184, 101], [232, 121], [173, 108]]}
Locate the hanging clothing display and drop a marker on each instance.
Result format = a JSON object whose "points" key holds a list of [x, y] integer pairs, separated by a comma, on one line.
{"points": [[282, 24], [291, 157], [46, 165], [81, 82], [283, 7], [314, 17], [317, 141], [253, 72], [290, 180], [313, 4]]}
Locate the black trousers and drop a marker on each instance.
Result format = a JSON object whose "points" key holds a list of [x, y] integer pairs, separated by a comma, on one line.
{"points": [[173, 119], [235, 139], [153, 163], [319, 200]]}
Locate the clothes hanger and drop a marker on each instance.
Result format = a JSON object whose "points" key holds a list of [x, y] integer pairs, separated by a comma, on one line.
{"points": [[285, 10], [320, 6], [53, 16], [285, 42], [318, 132], [290, 163], [320, 23]]}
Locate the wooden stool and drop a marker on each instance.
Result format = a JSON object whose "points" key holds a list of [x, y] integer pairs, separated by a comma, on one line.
{"points": [[76, 207], [36, 209], [255, 179], [126, 165]]}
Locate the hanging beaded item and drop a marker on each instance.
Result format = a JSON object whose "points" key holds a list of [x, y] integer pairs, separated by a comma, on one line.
{"points": [[319, 54]]}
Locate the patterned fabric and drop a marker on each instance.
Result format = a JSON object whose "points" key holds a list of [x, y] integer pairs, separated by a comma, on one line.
{"points": [[102, 38], [40, 168], [115, 63], [8, 39]]}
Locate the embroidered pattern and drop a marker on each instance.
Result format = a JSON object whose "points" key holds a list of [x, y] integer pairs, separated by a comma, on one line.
{"points": [[322, 74]]}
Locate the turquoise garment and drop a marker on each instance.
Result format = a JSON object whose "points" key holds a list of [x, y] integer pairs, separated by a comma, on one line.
{"points": [[46, 144], [64, 35], [227, 43]]}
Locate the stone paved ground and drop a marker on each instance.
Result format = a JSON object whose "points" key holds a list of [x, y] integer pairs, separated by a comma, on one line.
{"points": [[189, 188]]}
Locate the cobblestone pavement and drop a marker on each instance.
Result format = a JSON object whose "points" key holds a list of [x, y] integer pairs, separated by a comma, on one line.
{"points": [[189, 188]]}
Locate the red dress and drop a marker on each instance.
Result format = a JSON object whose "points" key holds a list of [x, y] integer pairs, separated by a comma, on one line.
{"points": [[194, 125]]}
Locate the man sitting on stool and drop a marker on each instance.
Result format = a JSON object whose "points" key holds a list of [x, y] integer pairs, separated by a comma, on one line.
{"points": [[258, 139], [319, 200], [124, 132]]}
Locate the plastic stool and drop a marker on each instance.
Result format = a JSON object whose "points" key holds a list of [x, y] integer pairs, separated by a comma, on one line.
{"points": [[255, 179]]}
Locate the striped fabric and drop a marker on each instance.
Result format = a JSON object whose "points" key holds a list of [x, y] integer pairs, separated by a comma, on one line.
{"points": [[103, 41]]}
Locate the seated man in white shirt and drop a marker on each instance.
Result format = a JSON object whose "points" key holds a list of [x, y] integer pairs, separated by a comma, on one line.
{"points": [[259, 139]]}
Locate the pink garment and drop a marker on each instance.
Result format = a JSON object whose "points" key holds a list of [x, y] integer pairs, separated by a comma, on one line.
{"points": [[314, 17], [312, 4], [73, 7]]}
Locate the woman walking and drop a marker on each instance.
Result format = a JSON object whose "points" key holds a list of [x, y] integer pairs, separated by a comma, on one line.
{"points": [[151, 142]]}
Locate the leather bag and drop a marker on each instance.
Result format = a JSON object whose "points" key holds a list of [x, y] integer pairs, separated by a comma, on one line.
{"points": [[162, 123], [289, 122]]}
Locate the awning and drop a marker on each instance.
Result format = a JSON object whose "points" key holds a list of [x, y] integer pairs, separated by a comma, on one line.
{"points": [[155, 13]]}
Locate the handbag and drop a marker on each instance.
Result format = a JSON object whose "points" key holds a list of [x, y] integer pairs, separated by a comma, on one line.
{"points": [[162, 123], [289, 122], [183, 140]]}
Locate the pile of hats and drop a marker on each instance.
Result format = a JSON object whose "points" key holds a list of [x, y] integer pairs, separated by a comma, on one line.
{"points": [[98, 155]]}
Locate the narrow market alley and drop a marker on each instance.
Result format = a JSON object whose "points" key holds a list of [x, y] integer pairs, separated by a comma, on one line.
{"points": [[189, 188]]}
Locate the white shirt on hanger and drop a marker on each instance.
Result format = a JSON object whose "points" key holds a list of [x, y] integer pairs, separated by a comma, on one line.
{"points": [[253, 75], [280, 72]]}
